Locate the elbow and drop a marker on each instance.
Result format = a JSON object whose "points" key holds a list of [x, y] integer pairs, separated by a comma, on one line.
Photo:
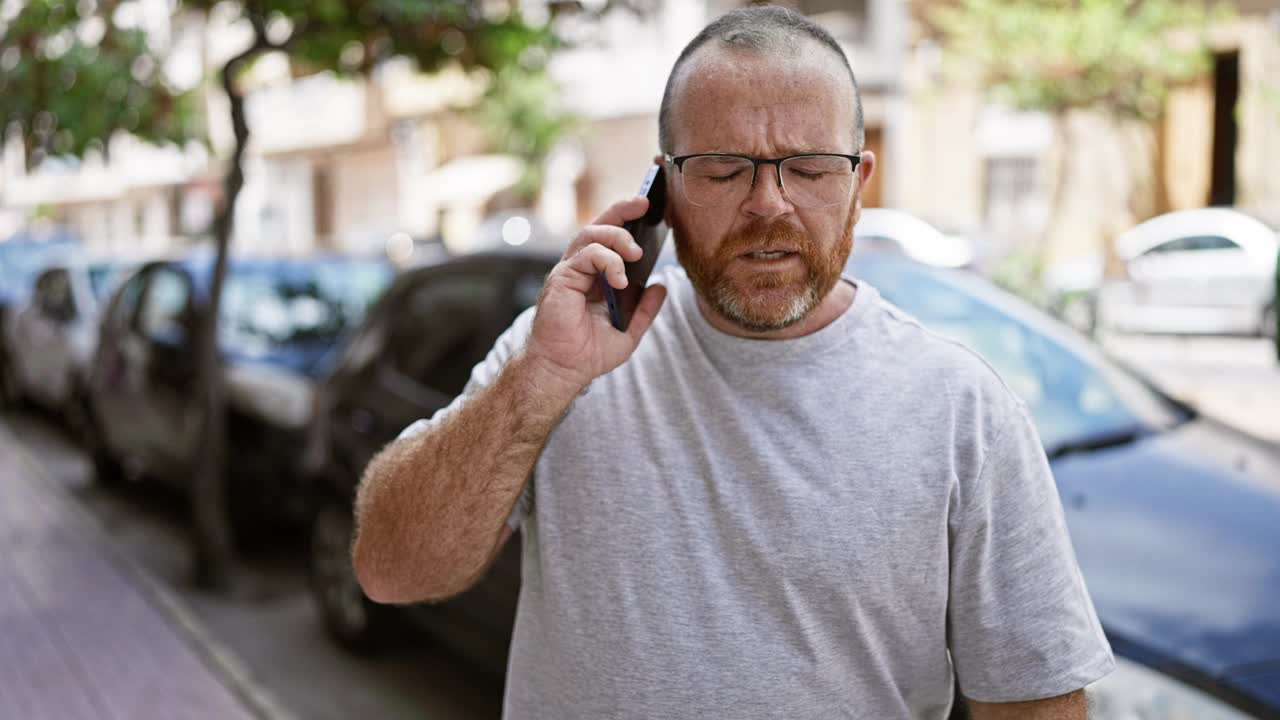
{"points": [[372, 580], [386, 581]]}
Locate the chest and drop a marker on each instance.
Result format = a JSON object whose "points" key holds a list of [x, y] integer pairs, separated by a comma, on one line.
{"points": [[715, 485]]}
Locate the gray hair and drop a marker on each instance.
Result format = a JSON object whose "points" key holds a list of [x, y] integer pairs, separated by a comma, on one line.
{"points": [[764, 29]]}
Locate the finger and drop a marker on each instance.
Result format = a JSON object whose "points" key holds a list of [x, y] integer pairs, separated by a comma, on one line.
{"points": [[579, 273], [610, 236], [650, 303], [623, 210]]}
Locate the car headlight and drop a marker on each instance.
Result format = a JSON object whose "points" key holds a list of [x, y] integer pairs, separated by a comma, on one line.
{"points": [[1134, 692]]}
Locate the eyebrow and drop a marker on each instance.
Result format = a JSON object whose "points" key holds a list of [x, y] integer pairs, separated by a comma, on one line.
{"points": [[786, 153]]}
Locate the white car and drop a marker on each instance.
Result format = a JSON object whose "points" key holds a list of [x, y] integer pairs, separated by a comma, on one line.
{"points": [[897, 231], [1209, 270], [53, 336]]}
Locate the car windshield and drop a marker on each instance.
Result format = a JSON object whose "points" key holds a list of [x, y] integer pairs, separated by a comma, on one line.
{"points": [[269, 305], [1077, 396], [22, 260]]}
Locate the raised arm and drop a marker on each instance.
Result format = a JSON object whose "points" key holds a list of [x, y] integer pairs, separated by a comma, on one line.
{"points": [[431, 508]]}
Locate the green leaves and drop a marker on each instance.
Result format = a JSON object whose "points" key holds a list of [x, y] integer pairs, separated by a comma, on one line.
{"points": [[71, 79], [71, 75], [1055, 55]]}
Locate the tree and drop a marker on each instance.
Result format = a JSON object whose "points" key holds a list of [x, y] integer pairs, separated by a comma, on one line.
{"points": [[62, 62], [1120, 57]]}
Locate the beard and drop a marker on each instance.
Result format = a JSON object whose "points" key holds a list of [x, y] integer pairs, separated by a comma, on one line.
{"points": [[764, 300]]}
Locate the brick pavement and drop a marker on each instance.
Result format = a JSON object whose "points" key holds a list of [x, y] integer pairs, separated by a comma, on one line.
{"points": [[81, 637]]}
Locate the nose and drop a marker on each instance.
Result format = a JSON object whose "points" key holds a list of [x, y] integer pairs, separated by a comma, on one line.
{"points": [[766, 198]]}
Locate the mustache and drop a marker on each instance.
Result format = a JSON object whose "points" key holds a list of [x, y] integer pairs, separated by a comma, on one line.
{"points": [[761, 234]]}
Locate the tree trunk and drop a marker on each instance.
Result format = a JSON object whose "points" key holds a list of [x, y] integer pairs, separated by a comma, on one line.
{"points": [[211, 530], [1162, 202]]}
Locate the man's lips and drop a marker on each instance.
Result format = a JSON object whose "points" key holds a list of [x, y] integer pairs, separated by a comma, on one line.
{"points": [[768, 254]]}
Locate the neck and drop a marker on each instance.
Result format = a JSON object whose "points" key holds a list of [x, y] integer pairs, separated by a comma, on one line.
{"points": [[832, 306]]}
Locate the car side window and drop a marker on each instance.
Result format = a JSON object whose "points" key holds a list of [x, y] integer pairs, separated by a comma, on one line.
{"points": [[1192, 243], [126, 303], [53, 292], [446, 327], [1213, 242], [168, 293]]}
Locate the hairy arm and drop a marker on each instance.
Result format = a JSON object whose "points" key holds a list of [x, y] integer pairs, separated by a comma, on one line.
{"points": [[431, 509], [1071, 706]]}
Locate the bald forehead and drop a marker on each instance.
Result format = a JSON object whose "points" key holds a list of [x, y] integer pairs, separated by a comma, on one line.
{"points": [[801, 97]]}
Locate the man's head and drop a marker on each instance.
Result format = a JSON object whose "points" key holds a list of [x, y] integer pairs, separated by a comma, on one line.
{"points": [[763, 82]]}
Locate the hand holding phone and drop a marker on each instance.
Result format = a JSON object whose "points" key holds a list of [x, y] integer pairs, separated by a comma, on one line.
{"points": [[649, 232]]}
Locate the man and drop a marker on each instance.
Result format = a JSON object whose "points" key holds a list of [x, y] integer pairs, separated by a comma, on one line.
{"points": [[780, 497]]}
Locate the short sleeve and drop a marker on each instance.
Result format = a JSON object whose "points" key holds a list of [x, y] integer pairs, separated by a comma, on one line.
{"points": [[1021, 624], [507, 344]]}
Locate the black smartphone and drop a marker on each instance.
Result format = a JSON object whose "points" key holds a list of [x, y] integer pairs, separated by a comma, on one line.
{"points": [[650, 232]]}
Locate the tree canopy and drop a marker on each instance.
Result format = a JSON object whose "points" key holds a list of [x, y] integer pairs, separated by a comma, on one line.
{"points": [[1120, 56]]}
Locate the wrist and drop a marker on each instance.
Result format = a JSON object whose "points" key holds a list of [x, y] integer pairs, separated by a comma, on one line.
{"points": [[545, 383]]}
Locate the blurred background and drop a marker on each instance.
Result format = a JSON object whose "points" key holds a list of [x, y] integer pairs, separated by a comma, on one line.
{"points": [[242, 244]]}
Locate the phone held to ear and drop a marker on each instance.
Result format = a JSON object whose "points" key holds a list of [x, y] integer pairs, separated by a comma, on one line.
{"points": [[649, 232]]}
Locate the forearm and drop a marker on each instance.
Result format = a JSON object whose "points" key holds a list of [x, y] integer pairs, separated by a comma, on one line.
{"points": [[1071, 706], [431, 509]]}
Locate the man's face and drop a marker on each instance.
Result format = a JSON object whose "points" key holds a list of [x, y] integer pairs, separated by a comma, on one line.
{"points": [[764, 106]]}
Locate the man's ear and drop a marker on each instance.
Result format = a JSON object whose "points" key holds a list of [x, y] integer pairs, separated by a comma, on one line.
{"points": [[658, 159], [866, 168]]}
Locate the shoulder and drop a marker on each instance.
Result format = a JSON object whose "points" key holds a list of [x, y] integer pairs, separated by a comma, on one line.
{"points": [[940, 366]]}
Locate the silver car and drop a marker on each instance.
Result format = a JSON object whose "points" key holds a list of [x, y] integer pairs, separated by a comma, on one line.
{"points": [[1209, 270], [53, 336]]}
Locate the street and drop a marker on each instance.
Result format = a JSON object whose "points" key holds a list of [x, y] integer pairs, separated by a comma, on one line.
{"points": [[268, 624], [1235, 379]]}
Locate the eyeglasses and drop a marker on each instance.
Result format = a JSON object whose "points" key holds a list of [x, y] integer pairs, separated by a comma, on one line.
{"points": [[722, 179]]}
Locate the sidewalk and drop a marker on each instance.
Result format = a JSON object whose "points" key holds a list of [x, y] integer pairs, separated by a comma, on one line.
{"points": [[83, 634]]}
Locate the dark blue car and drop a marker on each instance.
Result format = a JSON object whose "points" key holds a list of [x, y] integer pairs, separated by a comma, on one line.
{"points": [[1175, 517]]}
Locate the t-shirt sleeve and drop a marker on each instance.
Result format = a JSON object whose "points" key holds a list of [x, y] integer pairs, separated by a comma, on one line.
{"points": [[1021, 624], [482, 375]]}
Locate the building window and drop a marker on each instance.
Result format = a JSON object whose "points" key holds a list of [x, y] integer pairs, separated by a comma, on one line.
{"points": [[1012, 193]]}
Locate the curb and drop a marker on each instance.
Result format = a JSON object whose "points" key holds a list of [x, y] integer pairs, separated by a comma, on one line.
{"points": [[225, 665]]}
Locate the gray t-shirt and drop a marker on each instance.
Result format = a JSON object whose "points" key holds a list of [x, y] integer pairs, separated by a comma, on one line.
{"points": [[831, 526]]}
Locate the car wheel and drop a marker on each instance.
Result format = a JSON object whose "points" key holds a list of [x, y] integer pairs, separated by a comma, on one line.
{"points": [[11, 395], [106, 468], [76, 416], [357, 623]]}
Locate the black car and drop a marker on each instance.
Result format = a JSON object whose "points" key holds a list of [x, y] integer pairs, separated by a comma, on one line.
{"points": [[411, 357], [280, 323]]}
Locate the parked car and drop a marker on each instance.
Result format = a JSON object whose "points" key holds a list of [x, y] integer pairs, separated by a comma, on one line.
{"points": [[53, 335], [280, 321], [1209, 270], [22, 257], [1175, 517], [411, 357], [897, 231]]}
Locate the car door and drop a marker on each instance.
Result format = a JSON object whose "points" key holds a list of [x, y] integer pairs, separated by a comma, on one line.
{"points": [[36, 329], [63, 316], [168, 366], [117, 378], [1234, 280], [1166, 276]]}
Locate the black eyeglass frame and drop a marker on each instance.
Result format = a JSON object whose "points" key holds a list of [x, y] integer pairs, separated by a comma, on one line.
{"points": [[757, 162]]}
